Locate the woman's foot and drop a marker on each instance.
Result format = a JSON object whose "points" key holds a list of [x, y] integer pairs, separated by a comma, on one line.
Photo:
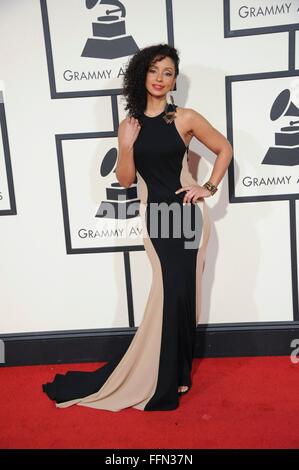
{"points": [[183, 389]]}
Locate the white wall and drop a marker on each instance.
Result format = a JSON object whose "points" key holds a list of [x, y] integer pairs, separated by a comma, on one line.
{"points": [[247, 276]]}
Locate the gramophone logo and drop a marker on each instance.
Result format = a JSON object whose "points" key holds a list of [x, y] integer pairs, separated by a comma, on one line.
{"points": [[99, 214], [286, 150], [121, 203], [263, 126], [109, 33], [89, 43]]}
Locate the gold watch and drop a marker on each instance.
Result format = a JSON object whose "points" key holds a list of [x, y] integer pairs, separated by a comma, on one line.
{"points": [[211, 187]]}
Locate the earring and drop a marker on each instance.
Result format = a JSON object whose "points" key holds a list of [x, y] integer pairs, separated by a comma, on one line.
{"points": [[170, 110]]}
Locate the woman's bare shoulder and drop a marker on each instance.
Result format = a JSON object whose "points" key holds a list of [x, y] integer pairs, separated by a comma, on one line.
{"points": [[189, 119], [188, 113]]}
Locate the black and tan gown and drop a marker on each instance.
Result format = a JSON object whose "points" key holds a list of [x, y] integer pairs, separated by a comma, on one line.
{"points": [[159, 358]]}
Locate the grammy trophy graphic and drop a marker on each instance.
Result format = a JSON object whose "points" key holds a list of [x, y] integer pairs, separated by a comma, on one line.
{"points": [[286, 150], [109, 39]]}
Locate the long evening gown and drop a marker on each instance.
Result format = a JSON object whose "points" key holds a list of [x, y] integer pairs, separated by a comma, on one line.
{"points": [[159, 358]]}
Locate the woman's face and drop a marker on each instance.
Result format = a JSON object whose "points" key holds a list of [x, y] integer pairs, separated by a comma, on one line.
{"points": [[160, 77]]}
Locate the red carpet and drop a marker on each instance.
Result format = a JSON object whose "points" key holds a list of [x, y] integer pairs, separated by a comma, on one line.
{"points": [[249, 402]]}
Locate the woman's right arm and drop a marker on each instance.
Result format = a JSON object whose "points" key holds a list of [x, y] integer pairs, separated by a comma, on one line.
{"points": [[127, 134]]}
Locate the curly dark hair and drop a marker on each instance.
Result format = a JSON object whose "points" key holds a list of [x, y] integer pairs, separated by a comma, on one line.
{"points": [[135, 75]]}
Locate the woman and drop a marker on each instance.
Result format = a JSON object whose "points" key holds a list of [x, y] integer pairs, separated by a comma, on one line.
{"points": [[153, 144]]}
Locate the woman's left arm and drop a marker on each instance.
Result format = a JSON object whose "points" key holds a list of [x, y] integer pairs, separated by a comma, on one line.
{"points": [[216, 142]]}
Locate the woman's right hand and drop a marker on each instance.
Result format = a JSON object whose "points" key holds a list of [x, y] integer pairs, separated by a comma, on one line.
{"points": [[128, 131]]}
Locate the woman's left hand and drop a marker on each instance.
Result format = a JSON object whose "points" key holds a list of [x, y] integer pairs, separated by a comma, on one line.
{"points": [[193, 193]]}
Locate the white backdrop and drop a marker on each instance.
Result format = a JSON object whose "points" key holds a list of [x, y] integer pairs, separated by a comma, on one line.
{"points": [[247, 276]]}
